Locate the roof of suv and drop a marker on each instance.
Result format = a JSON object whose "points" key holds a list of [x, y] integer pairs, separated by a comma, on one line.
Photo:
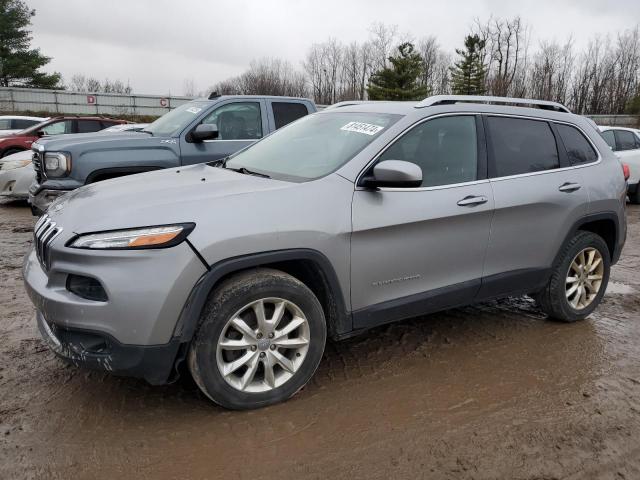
{"points": [[249, 97]]}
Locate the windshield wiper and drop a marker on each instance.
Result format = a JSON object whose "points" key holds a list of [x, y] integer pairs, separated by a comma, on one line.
{"points": [[246, 171], [146, 131], [220, 163]]}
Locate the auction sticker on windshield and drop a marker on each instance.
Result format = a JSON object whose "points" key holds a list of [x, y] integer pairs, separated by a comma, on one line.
{"points": [[361, 127], [194, 110]]}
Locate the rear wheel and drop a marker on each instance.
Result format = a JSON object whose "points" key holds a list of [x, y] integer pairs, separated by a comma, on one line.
{"points": [[260, 341], [579, 279]]}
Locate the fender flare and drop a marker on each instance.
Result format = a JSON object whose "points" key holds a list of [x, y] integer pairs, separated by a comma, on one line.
{"points": [[190, 316], [608, 215]]}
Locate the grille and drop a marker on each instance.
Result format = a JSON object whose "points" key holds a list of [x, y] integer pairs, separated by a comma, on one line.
{"points": [[44, 234], [37, 165]]}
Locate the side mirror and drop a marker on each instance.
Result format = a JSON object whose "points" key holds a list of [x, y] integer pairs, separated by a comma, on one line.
{"points": [[40, 133], [394, 174], [204, 131]]}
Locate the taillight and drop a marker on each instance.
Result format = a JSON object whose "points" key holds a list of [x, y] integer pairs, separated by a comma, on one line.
{"points": [[626, 171]]}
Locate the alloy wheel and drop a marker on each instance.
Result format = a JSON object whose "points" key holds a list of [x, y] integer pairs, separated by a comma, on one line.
{"points": [[584, 278]]}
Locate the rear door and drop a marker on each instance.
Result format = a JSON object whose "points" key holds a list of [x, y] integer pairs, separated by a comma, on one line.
{"points": [[538, 196], [282, 113], [239, 122], [420, 249]]}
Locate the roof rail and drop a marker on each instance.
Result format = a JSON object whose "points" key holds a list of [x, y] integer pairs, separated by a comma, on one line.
{"points": [[451, 99]]}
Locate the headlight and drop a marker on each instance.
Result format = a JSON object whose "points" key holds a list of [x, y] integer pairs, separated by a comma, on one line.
{"points": [[15, 164], [149, 237], [57, 164]]}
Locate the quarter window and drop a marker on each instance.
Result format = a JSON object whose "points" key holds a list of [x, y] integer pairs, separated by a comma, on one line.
{"points": [[5, 124], [237, 121], [287, 112], [521, 146], [445, 148], [626, 140], [579, 150]]}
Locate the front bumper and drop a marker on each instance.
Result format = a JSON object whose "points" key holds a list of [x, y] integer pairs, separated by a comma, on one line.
{"points": [[41, 198], [15, 183], [101, 352]]}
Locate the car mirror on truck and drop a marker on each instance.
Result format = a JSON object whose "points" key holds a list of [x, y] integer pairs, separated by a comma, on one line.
{"points": [[204, 131], [393, 174]]}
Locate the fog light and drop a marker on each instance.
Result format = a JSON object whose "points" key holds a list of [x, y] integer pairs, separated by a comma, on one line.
{"points": [[86, 287]]}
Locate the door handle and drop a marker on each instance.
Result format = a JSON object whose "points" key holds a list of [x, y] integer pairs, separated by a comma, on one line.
{"points": [[569, 187], [472, 200]]}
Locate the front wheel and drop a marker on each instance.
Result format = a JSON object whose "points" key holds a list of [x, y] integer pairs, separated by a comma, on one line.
{"points": [[579, 279], [260, 340]]}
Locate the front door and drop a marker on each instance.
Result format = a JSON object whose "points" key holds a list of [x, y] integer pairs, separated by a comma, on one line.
{"points": [[416, 250]]}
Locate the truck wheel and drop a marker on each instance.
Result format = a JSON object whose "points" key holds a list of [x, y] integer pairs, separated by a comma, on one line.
{"points": [[261, 337], [579, 279]]}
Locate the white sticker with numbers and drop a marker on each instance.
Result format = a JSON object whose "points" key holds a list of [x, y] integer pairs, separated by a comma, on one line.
{"points": [[361, 127]]}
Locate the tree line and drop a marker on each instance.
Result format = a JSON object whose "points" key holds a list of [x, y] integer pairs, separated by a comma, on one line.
{"points": [[497, 57]]}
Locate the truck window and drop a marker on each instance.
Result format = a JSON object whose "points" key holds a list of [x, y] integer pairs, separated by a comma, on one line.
{"points": [[237, 121], [5, 124], [287, 112], [21, 124]]}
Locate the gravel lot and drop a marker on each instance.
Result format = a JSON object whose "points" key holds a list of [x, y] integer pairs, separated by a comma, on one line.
{"points": [[490, 391]]}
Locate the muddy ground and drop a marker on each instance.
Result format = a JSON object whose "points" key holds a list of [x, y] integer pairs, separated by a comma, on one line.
{"points": [[491, 391]]}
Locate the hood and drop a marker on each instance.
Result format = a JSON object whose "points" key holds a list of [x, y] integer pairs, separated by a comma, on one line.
{"points": [[175, 195], [99, 140]]}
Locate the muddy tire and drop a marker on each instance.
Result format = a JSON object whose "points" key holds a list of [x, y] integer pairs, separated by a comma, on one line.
{"points": [[578, 281], [261, 338]]}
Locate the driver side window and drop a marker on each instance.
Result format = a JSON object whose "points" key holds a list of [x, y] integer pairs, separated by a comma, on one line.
{"points": [[445, 148], [57, 128], [237, 121]]}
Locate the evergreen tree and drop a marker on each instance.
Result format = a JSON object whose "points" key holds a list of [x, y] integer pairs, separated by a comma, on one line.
{"points": [[468, 73], [400, 81], [19, 64]]}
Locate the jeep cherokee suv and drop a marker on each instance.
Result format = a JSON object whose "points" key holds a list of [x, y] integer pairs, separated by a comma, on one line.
{"points": [[339, 222]]}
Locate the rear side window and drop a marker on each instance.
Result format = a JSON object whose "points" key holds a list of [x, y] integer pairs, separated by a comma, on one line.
{"points": [[626, 140], [89, 126], [521, 146], [286, 112], [22, 124], [5, 124], [578, 148], [610, 138], [445, 148]]}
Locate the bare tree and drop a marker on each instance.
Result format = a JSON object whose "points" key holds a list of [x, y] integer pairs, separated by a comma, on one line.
{"points": [[550, 75], [436, 66], [383, 39], [189, 88]]}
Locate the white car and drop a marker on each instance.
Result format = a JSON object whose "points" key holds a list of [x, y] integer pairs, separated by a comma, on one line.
{"points": [[16, 175], [15, 123], [625, 142], [125, 127]]}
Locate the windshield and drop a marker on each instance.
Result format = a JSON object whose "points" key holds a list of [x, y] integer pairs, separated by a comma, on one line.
{"points": [[313, 146], [172, 123]]}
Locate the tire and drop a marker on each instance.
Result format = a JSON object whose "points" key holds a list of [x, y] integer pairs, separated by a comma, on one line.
{"points": [[11, 151], [556, 300], [635, 197], [263, 377]]}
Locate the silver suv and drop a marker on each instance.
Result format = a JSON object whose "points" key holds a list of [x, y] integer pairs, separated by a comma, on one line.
{"points": [[344, 220]]}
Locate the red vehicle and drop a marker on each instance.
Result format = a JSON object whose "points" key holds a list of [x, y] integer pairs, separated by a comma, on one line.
{"points": [[15, 142]]}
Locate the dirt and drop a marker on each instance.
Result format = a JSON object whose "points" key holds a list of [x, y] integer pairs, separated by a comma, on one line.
{"points": [[490, 391]]}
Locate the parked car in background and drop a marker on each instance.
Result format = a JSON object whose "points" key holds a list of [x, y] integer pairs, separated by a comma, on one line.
{"points": [[342, 221], [15, 123], [125, 127], [199, 131], [22, 140], [625, 142], [16, 175]]}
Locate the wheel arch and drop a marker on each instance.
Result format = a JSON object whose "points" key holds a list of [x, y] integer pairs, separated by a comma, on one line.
{"points": [[309, 266], [606, 225]]}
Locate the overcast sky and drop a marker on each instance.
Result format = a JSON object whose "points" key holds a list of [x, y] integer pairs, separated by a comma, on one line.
{"points": [[157, 44]]}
